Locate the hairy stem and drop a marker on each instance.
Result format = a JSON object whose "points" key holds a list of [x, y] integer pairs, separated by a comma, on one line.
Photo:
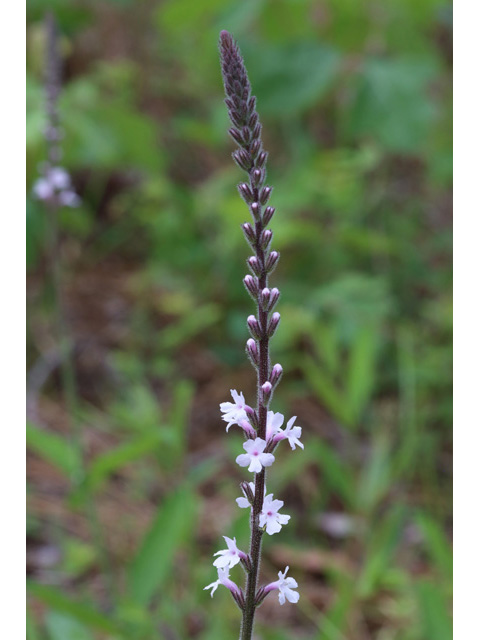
{"points": [[262, 376]]}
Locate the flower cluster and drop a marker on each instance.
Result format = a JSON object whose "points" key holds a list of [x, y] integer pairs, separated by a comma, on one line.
{"points": [[262, 427], [258, 456], [55, 186]]}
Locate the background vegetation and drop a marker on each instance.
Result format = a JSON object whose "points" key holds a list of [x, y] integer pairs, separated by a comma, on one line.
{"points": [[131, 478]]}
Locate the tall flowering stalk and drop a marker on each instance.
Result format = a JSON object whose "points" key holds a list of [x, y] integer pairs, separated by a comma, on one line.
{"points": [[54, 188], [261, 426]]}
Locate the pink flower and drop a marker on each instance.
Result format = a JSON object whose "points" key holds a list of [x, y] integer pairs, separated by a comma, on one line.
{"points": [[270, 518], [284, 586], [229, 557], [274, 422], [42, 189], [234, 411], [223, 578], [291, 433], [255, 458], [56, 186]]}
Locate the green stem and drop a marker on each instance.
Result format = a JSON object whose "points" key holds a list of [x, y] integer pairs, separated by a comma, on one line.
{"points": [[69, 387]]}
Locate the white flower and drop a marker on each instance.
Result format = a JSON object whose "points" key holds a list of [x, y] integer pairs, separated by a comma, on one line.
{"points": [[234, 411], [69, 199], [255, 456], [42, 189], [291, 433], [270, 517], [58, 178], [228, 557], [243, 502], [274, 422], [223, 578], [284, 586], [55, 185]]}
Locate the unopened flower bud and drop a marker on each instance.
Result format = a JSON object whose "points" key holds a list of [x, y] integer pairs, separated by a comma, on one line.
{"points": [[243, 159], [266, 391], [272, 261], [236, 135], [267, 215], [252, 351], [251, 284], [255, 148], [273, 324], [255, 209], [251, 103], [245, 192], [252, 121], [246, 135], [276, 374], [262, 159], [254, 327], [265, 194], [265, 238], [265, 298], [257, 131], [249, 233], [274, 296], [257, 177], [236, 118], [254, 265]]}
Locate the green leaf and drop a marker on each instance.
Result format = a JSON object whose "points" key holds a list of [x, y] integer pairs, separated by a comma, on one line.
{"points": [[324, 386], [361, 370], [53, 448], [436, 542], [338, 473], [31, 627], [435, 619], [81, 612], [64, 627], [392, 104], [171, 529], [288, 79], [189, 325], [375, 477], [381, 547], [77, 557], [178, 418], [109, 462]]}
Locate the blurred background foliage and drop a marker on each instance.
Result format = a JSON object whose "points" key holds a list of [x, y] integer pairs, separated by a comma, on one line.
{"points": [[355, 99]]}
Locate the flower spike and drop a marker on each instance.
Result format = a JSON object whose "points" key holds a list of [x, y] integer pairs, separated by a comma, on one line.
{"points": [[262, 427]]}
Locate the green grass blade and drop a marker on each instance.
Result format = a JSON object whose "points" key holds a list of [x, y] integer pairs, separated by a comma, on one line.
{"points": [[53, 448], [434, 616], [171, 529], [84, 613], [109, 462]]}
